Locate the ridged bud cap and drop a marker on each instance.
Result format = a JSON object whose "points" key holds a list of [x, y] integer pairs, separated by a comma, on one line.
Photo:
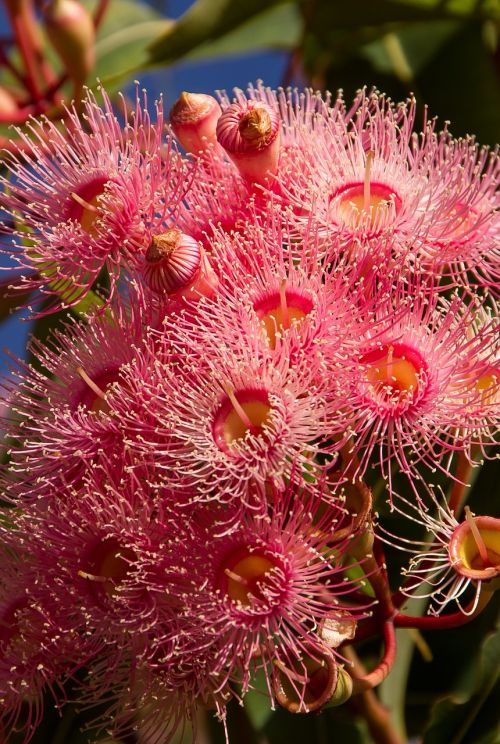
{"points": [[193, 118], [70, 29], [172, 261], [247, 127], [250, 134]]}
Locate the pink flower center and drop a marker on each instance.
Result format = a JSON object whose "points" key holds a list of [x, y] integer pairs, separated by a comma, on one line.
{"points": [[355, 207], [94, 394], [280, 310], [84, 204], [394, 375], [247, 576], [241, 412], [487, 386], [108, 565]]}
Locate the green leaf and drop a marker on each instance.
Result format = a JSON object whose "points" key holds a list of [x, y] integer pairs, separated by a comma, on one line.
{"points": [[206, 20], [460, 84], [257, 703], [279, 28], [343, 15], [472, 716], [122, 39]]}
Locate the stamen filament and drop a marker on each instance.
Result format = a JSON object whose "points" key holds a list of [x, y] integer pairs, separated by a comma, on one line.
{"points": [[390, 359], [82, 202], [483, 551], [284, 307], [240, 411], [92, 385], [235, 577], [366, 189], [289, 673], [92, 577]]}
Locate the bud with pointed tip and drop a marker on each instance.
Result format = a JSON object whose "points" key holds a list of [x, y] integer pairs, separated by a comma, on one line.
{"points": [[70, 29], [193, 118], [176, 264], [250, 134]]}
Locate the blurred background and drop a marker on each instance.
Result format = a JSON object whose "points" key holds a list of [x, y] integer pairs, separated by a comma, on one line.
{"points": [[445, 52]]}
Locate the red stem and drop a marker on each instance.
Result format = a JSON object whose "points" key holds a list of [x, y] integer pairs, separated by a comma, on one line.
{"points": [[444, 622], [16, 10], [374, 678]]}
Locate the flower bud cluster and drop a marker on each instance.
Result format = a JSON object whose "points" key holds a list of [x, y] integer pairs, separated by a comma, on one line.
{"points": [[305, 298]]}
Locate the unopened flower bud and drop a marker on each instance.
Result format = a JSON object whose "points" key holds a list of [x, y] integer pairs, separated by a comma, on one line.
{"points": [[343, 690], [194, 120], [71, 32], [250, 134], [176, 264], [357, 502], [361, 544]]}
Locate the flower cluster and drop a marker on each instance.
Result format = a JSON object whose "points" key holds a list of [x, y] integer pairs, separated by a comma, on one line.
{"points": [[300, 303]]}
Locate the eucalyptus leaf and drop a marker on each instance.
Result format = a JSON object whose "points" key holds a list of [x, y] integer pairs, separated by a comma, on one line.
{"points": [[279, 28], [461, 84], [206, 20], [122, 39], [470, 718]]}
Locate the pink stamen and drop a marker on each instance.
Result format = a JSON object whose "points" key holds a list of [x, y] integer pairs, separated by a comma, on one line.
{"points": [[82, 202], [240, 411], [289, 673], [284, 307], [483, 551], [92, 385], [366, 189], [235, 577]]}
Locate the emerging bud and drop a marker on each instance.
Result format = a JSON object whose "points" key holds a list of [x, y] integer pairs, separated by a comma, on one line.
{"points": [[71, 32], [176, 264], [343, 690], [194, 120], [309, 686], [250, 134]]}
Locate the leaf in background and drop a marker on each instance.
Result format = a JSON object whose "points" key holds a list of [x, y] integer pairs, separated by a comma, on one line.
{"points": [[460, 84], [206, 20], [257, 703], [122, 39], [471, 718], [278, 28]]}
